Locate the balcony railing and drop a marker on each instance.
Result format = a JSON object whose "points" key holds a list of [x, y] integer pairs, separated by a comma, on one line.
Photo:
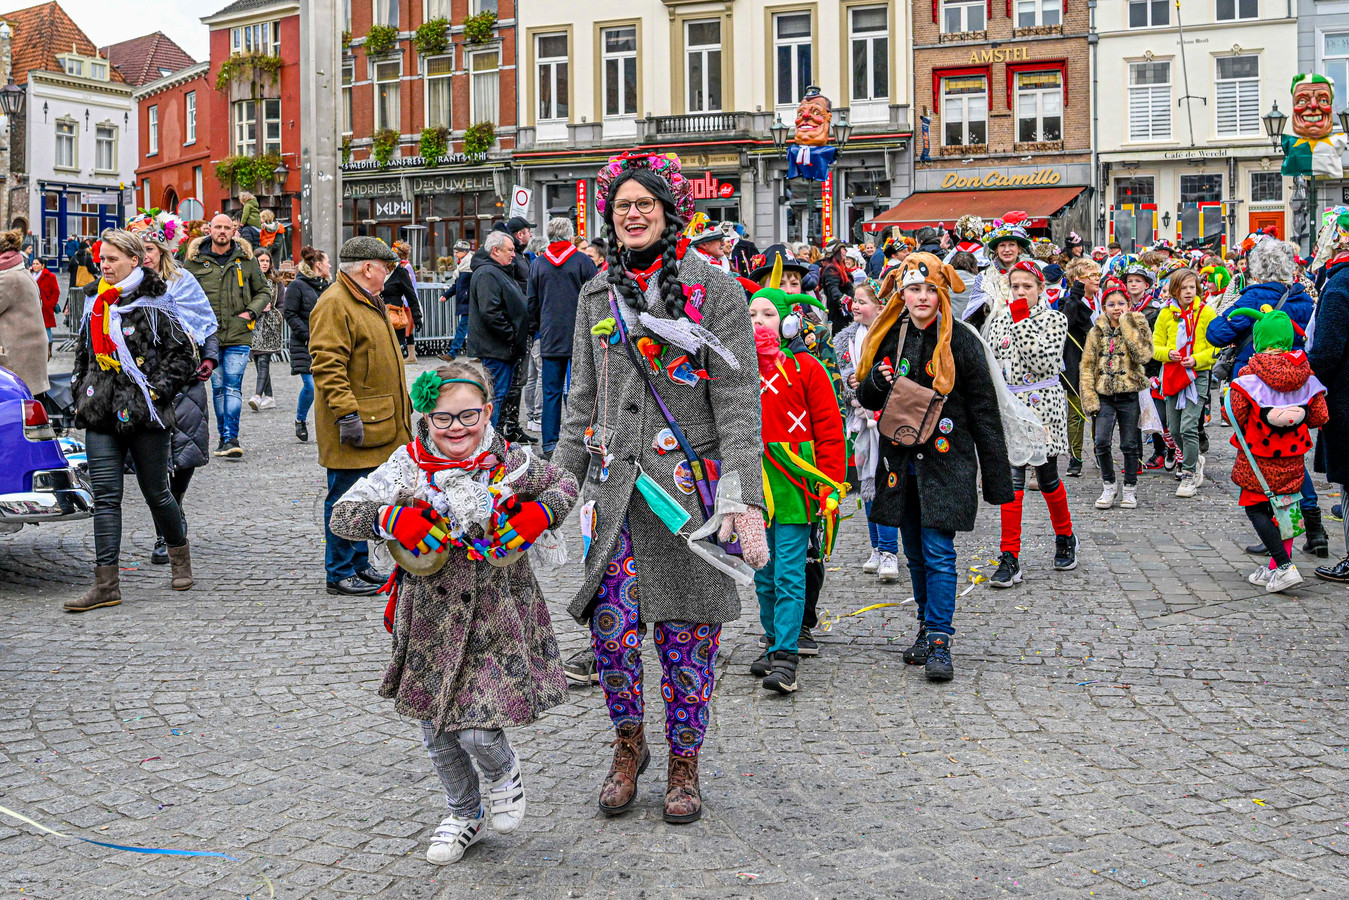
{"points": [[693, 123], [1037, 31], [960, 37]]}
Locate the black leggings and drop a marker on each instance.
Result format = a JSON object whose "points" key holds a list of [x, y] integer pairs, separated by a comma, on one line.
{"points": [[1262, 517], [263, 363], [1046, 474], [149, 452], [178, 483]]}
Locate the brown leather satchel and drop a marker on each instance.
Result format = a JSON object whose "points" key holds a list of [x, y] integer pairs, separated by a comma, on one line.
{"points": [[911, 411]]}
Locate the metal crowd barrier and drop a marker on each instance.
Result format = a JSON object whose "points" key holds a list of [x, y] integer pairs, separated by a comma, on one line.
{"points": [[438, 319]]}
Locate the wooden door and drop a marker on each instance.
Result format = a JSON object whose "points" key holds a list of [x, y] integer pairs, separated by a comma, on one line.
{"points": [[1259, 221]]}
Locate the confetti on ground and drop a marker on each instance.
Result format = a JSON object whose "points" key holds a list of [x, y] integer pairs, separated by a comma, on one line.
{"points": [[746, 876], [1257, 802]]}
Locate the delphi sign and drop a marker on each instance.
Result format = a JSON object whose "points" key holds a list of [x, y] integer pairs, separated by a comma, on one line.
{"points": [[995, 179]]}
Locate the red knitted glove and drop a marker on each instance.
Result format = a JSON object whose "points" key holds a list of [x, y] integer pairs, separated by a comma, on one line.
{"points": [[418, 528], [1020, 309], [518, 524]]}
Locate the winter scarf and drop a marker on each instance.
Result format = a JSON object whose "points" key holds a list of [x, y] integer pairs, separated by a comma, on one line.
{"points": [[104, 318]]}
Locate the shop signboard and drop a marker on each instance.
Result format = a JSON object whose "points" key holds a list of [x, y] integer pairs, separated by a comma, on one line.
{"points": [[581, 207], [520, 197], [393, 209], [827, 208]]}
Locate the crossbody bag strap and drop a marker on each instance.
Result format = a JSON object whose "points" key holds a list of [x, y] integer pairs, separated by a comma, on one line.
{"points": [[1241, 439], [1250, 338]]}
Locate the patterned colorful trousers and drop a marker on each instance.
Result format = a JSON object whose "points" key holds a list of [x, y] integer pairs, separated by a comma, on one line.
{"points": [[687, 652]]}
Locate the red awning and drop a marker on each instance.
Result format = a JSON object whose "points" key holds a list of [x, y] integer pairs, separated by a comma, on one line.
{"points": [[934, 207]]}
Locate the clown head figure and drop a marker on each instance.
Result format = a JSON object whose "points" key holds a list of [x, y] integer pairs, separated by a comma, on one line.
{"points": [[1313, 106], [813, 117]]}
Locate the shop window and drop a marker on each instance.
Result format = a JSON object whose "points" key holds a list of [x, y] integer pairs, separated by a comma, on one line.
{"points": [[1039, 106], [1150, 101], [1335, 59], [348, 76], [387, 78], [152, 130], [620, 71], [1136, 191], [386, 12], [1149, 13], [965, 110], [485, 96], [963, 15], [438, 70], [1201, 188], [245, 116], [792, 48], [271, 126], [702, 50], [105, 147], [1231, 10], [1238, 96], [870, 40], [554, 77], [1035, 13], [1266, 187], [190, 117]]}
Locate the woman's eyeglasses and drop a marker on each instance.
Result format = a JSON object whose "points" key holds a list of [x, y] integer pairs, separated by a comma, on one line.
{"points": [[444, 420], [644, 206]]}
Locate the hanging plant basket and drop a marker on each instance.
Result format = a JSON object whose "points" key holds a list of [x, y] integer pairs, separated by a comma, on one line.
{"points": [[478, 138], [478, 29], [246, 172], [247, 65], [383, 145], [380, 40], [433, 38], [435, 145], [346, 150]]}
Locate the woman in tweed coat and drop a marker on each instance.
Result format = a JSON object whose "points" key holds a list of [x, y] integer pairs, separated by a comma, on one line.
{"points": [[636, 571]]}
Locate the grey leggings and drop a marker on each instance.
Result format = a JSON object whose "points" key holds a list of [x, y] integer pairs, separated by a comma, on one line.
{"points": [[453, 754]]}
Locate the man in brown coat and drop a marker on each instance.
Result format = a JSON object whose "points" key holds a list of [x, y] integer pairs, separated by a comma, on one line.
{"points": [[363, 412]]}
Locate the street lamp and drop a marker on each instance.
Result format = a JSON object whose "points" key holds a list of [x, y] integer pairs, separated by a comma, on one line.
{"points": [[779, 132], [842, 130], [12, 98], [279, 176], [1274, 122], [1344, 120]]}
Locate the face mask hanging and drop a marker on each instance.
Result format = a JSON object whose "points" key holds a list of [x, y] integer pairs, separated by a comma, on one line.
{"points": [[666, 508]]}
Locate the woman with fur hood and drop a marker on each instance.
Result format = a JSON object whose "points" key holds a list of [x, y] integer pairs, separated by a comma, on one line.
{"points": [[1113, 371], [23, 337]]}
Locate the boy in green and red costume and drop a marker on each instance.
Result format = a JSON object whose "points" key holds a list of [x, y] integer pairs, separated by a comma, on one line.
{"points": [[804, 467]]}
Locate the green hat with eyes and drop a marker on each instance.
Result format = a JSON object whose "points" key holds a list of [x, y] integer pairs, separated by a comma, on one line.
{"points": [[425, 391]]}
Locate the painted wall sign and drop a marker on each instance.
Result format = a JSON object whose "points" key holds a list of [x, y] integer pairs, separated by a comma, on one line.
{"points": [[996, 179]]}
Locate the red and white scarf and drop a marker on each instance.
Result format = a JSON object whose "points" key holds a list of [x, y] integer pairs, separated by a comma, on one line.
{"points": [[559, 252]]}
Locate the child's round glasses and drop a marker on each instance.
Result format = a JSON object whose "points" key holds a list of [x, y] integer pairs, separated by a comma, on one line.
{"points": [[443, 420]]}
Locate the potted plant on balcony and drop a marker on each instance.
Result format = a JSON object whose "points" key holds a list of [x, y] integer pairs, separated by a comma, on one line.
{"points": [[246, 173], [383, 144], [247, 65], [478, 28], [435, 144], [478, 138], [380, 40], [432, 38]]}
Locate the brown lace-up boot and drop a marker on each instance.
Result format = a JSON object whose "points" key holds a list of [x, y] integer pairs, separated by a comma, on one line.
{"points": [[105, 592], [631, 757], [683, 800]]}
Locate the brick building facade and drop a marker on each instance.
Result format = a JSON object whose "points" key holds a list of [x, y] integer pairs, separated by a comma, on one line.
{"points": [[172, 115]]}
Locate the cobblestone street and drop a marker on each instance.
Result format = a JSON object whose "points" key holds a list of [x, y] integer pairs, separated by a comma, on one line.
{"points": [[1148, 726]]}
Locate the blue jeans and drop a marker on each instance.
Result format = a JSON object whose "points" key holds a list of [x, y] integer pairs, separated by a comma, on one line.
{"points": [[884, 538], [460, 335], [226, 382], [556, 370], [306, 397], [342, 558], [1309, 500], [781, 585], [931, 553], [501, 372]]}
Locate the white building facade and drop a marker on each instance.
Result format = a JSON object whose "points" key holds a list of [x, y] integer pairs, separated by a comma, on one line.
{"points": [[1323, 47], [1182, 147]]}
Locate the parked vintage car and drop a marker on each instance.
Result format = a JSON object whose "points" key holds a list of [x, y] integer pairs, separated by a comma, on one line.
{"points": [[37, 483]]}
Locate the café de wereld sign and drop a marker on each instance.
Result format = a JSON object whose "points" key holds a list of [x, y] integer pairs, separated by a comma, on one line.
{"points": [[1001, 179]]}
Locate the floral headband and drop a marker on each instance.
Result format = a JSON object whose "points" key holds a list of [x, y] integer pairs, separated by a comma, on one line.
{"points": [[665, 165], [425, 391]]}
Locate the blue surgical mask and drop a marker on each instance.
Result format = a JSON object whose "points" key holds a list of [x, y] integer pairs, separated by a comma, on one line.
{"points": [[666, 507]]}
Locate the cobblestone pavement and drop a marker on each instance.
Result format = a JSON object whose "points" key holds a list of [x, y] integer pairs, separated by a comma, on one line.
{"points": [[1148, 725]]}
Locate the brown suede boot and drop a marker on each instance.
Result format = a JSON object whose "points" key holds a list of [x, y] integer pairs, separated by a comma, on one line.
{"points": [[105, 592], [683, 800], [631, 757], [180, 559]]}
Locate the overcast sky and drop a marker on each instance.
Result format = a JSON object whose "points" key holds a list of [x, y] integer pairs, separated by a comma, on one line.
{"points": [[109, 21]]}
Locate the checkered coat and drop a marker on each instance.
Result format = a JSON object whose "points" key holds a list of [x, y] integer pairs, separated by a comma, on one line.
{"points": [[720, 418]]}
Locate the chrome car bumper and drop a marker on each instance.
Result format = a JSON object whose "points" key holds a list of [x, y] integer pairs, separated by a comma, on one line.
{"points": [[59, 495]]}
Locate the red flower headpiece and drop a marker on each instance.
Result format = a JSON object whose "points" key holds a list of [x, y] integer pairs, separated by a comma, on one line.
{"points": [[665, 165]]}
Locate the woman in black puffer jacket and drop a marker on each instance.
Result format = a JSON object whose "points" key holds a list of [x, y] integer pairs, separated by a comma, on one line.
{"points": [[133, 358], [303, 293]]}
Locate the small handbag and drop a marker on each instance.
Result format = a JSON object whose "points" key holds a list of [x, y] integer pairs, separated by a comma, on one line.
{"points": [[911, 411], [400, 316]]}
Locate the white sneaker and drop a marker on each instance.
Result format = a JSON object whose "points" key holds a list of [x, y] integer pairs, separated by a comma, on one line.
{"points": [[453, 837], [1186, 487], [1199, 471], [254, 402], [873, 565], [1107, 498], [534, 425], [1260, 576], [267, 403], [506, 798], [1283, 578], [889, 570], [1129, 498]]}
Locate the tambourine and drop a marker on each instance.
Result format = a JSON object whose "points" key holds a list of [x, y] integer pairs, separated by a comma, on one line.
{"points": [[431, 563]]}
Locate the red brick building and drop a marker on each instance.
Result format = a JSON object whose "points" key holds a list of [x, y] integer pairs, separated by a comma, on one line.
{"points": [[173, 114], [147, 58]]}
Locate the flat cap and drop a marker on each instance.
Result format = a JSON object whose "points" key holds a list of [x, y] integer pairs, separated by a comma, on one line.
{"points": [[364, 247]]}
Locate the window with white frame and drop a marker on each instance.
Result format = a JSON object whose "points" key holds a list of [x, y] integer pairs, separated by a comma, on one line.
{"points": [[244, 114], [792, 55], [1039, 106], [73, 66], [620, 70], [437, 9], [1034, 13], [1149, 13], [98, 71], [1335, 59], [438, 70], [1232, 10], [1266, 187], [484, 86], [1237, 91], [479, 6], [348, 77], [386, 12], [152, 130], [1150, 101], [65, 144], [105, 147], [387, 77], [553, 77], [271, 126], [963, 15], [869, 37], [190, 117], [702, 53], [346, 15], [964, 110], [260, 37]]}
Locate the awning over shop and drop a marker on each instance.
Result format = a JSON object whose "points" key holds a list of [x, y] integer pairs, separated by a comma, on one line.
{"points": [[933, 207]]}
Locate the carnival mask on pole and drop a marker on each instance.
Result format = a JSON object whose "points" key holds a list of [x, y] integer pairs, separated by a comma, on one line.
{"points": [[1313, 148], [810, 155]]}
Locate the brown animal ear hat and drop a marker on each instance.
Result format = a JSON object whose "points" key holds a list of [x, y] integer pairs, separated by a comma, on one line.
{"points": [[919, 268]]}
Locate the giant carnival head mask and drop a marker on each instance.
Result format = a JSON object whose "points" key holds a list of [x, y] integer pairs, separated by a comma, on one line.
{"points": [[1313, 106], [813, 116]]}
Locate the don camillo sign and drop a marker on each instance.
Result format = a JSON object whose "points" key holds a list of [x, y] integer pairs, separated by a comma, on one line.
{"points": [[995, 179]]}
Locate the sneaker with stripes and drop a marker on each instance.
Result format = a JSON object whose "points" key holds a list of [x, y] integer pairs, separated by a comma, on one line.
{"points": [[506, 798], [454, 835]]}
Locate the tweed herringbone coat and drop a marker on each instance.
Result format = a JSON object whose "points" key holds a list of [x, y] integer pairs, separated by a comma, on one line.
{"points": [[720, 418]]}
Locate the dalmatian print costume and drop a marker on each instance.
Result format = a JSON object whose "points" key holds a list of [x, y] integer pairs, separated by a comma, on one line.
{"points": [[1030, 353]]}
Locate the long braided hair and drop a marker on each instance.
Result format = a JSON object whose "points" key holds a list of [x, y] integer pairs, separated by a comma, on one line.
{"points": [[671, 292]]}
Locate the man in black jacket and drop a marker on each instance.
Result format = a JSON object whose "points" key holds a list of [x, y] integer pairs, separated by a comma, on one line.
{"points": [[498, 318], [521, 232], [555, 280], [458, 292]]}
